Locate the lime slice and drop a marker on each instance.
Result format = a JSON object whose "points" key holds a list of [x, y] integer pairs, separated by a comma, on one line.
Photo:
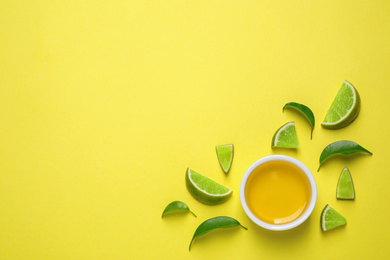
{"points": [[330, 219], [345, 189], [206, 190], [344, 109], [225, 156], [286, 137]]}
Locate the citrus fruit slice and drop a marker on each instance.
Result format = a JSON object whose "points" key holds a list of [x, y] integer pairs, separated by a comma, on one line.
{"points": [[286, 137], [331, 219], [345, 189], [225, 156], [344, 109], [206, 190]]}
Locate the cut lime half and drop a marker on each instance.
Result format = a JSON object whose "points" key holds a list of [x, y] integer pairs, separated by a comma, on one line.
{"points": [[225, 156], [206, 190], [286, 137], [331, 219], [344, 108], [345, 188]]}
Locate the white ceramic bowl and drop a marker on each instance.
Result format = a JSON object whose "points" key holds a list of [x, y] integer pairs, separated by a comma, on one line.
{"points": [[304, 215]]}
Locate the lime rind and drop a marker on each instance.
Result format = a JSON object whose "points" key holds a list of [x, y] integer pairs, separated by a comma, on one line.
{"points": [[333, 120], [210, 192], [286, 136], [345, 188], [225, 156], [331, 219], [327, 207]]}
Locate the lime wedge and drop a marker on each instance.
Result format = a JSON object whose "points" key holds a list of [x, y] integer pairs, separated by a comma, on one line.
{"points": [[330, 219], [286, 137], [206, 190], [225, 156], [345, 189], [344, 109]]}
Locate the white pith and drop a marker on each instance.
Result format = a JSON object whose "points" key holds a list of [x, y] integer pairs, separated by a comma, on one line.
{"points": [[323, 217], [203, 191], [349, 111]]}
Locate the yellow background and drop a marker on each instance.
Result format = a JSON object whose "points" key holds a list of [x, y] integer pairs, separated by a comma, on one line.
{"points": [[104, 104]]}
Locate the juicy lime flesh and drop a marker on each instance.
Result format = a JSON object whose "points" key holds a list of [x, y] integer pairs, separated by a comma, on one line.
{"points": [[330, 219], [207, 184], [225, 153], [341, 105], [345, 189], [286, 137]]}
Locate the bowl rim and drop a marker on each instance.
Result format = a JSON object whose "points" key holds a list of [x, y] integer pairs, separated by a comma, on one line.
{"points": [[309, 209]]}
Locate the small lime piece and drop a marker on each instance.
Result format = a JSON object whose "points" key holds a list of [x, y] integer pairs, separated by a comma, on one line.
{"points": [[344, 109], [330, 219], [206, 190], [345, 189], [286, 137], [225, 156]]}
